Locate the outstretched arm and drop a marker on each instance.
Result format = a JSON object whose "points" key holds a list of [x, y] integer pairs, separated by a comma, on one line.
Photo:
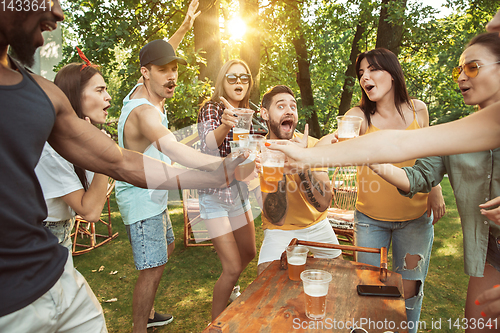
{"points": [[83, 144], [393, 175], [186, 25], [150, 126], [477, 132], [399, 178]]}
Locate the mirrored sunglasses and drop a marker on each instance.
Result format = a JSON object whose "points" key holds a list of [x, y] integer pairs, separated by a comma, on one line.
{"points": [[233, 78], [471, 69]]}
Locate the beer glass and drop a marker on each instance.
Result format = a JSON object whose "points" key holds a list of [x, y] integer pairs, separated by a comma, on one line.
{"points": [[348, 127], [296, 256], [315, 283], [245, 168], [272, 167], [250, 142], [244, 122]]}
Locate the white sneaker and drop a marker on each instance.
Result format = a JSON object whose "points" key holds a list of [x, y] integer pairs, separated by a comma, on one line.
{"points": [[234, 294]]}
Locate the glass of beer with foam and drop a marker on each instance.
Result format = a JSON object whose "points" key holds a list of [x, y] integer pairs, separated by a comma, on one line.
{"points": [[272, 167], [348, 127], [244, 122], [315, 283], [296, 257]]}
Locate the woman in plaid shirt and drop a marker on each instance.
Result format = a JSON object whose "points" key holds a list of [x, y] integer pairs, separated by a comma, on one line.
{"points": [[226, 211]]}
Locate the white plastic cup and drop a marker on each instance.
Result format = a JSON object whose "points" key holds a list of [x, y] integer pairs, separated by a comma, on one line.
{"points": [[315, 283], [244, 122], [296, 257], [348, 127]]}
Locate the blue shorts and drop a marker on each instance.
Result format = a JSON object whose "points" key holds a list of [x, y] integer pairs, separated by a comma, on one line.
{"points": [[493, 254], [149, 239], [211, 207]]}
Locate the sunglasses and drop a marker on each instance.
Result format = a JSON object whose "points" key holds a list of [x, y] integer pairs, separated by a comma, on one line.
{"points": [[233, 78], [471, 69]]}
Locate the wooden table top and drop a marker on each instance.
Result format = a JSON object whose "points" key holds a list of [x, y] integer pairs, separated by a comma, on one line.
{"points": [[274, 303]]}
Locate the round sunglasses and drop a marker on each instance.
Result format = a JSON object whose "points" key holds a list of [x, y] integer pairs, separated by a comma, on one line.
{"points": [[232, 78], [471, 69]]}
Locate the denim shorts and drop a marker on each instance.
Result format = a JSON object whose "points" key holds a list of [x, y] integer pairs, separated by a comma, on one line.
{"points": [[149, 239], [62, 230], [211, 207], [493, 254]]}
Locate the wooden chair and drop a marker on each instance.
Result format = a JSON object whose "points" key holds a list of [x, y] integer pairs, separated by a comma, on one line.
{"points": [[341, 212], [382, 251], [86, 229], [193, 236]]}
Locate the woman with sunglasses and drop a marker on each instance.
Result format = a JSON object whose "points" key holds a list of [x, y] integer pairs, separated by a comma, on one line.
{"points": [[470, 175], [68, 189], [382, 215], [226, 211]]}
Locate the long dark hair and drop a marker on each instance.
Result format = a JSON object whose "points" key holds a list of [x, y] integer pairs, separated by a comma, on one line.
{"points": [[383, 59], [490, 40], [72, 79]]}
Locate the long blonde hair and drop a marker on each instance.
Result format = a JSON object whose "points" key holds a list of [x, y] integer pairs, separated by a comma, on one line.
{"points": [[219, 84]]}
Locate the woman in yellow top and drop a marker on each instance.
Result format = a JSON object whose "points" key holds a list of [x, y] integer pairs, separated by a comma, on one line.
{"points": [[382, 214]]}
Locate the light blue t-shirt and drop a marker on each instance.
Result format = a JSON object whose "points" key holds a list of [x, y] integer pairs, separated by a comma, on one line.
{"points": [[136, 203]]}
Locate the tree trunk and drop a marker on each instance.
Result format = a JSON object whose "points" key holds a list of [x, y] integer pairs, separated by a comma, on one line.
{"points": [[304, 82], [250, 48], [350, 73], [207, 39], [390, 25]]}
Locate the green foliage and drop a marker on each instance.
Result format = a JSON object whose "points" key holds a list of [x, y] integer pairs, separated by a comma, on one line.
{"points": [[112, 33]]}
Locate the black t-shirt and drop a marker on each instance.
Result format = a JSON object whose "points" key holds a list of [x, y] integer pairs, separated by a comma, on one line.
{"points": [[31, 261]]}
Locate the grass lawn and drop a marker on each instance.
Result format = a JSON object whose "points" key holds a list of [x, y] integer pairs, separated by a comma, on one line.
{"points": [[186, 287]]}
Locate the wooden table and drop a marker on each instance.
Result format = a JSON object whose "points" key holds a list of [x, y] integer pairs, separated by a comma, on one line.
{"points": [[273, 303]]}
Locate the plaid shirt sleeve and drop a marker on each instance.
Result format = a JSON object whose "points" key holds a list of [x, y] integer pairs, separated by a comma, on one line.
{"points": [[208, 120]]}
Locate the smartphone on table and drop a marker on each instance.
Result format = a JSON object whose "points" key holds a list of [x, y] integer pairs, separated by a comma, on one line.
{"points": [[372, 290]]}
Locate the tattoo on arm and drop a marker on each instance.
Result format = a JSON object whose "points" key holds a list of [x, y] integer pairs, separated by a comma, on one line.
{"points": [[307, 189], [316, 183], [275, 204]]}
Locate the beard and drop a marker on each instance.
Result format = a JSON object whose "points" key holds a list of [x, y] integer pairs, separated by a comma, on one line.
{"points": [[275, 127], [21, 46]]}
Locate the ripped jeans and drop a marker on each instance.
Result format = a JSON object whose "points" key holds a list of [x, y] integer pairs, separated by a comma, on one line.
{"points": [[408, 237]]}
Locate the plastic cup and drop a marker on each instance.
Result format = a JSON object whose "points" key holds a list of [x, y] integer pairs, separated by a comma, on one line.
{"points": [[251, 141], [272, 167], [245, 170], [244, 122], [315, 283], [296, 257], [348, 127]]}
